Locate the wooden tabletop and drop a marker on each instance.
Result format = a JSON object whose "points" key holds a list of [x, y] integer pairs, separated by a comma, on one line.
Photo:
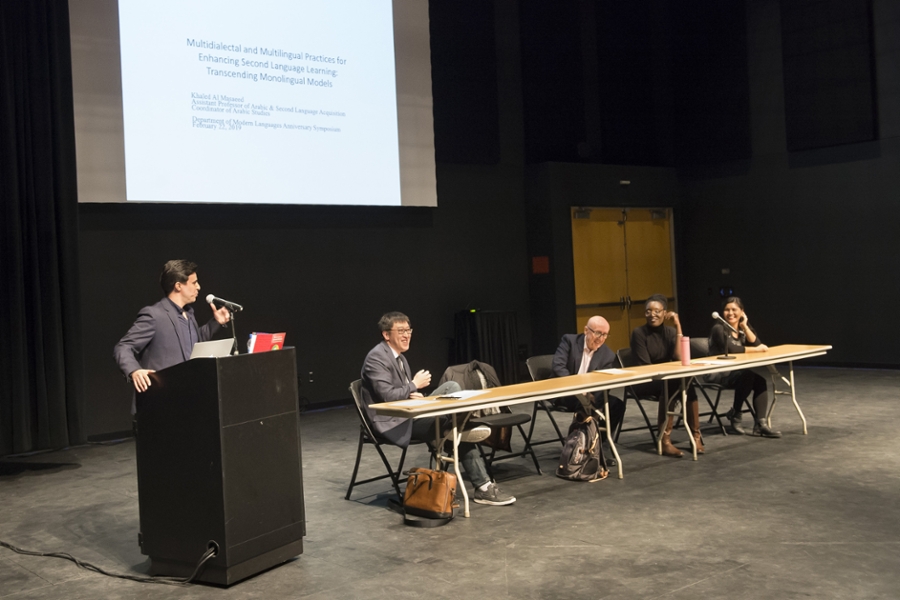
{"points": [[746, 360], [557, 387], [518, 393]]}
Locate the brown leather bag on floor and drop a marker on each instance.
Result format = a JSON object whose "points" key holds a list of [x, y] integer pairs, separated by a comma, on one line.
{"points": [[429, 494]]}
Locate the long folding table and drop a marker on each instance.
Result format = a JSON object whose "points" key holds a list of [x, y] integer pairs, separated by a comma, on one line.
{"points": [[786, 353], [520, 393], [508, 395]]}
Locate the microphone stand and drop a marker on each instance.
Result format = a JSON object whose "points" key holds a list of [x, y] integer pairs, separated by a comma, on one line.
{"points": [[726, 357], [237, 349]]}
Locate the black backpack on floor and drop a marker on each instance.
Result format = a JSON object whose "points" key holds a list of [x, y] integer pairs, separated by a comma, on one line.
{"points": [[582, 455]]}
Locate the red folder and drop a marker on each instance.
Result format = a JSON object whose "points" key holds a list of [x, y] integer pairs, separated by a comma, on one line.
{"points": [[263, 342]]}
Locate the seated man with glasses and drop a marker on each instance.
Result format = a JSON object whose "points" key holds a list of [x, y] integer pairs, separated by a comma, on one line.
{"points": [[586, 352], [386, 377]]}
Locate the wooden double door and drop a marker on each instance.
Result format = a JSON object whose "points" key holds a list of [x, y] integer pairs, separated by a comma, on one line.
{"points": [[621, 256]]}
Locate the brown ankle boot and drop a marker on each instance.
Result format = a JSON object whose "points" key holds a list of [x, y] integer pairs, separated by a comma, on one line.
{"points": [[693, 414], [699, 441], [667, 448]]}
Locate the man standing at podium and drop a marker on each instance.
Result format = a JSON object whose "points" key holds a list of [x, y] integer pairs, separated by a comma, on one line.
{"points": [[165, 333]]}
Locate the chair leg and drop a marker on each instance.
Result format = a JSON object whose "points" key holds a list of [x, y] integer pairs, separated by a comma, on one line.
{"points": [[650, 426], [718, 399], [562, 438], [716, 410], [530, 450], [394, 475], [713, 407], [619, 428], [540, 404], [775, 393], [402, 460], [534, 410], [359, 448]]}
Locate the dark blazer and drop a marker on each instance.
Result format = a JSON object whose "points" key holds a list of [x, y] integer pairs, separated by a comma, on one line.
{"points": [[568, 356], [154, 341], [467, 377], [383, 382], [567, 360]]}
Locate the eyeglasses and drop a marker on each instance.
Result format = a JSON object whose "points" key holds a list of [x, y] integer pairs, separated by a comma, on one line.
{"points": [[599, 334], [403, 331], [654, 313]]}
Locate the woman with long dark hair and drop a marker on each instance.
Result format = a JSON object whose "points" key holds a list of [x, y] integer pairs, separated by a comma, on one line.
{"points": [[737, 339]]}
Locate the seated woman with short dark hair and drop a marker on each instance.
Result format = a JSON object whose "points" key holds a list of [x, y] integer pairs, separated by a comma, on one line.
{"points": [[655, 343]]}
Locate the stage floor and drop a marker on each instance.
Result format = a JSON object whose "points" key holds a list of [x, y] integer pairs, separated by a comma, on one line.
{"points": [[813, 516]]}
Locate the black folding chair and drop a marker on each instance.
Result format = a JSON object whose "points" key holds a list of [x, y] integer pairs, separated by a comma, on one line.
{"points": [[627, 360], [367, 435], [700, 349], [504, 417], [539, 367]]}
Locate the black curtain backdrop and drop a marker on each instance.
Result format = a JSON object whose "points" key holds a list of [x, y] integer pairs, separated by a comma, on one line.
{"points": [[490, 336], [40, 350]]}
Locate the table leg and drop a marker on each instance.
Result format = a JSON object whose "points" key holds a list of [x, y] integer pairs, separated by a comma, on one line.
{"points": [[684, 418], [438, 445], [610, 432], [459, 480], [659, 433], [794, 397]]}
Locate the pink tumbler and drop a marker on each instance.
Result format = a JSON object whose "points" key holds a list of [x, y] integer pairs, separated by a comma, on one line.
{"points": [[685, 350]]}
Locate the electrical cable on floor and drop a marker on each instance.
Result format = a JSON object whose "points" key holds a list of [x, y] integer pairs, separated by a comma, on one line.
{"points": [[210, 552]]}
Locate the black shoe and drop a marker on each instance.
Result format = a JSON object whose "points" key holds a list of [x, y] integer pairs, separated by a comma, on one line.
{"points": [[736, 418], [611, 462], [763, 430]]}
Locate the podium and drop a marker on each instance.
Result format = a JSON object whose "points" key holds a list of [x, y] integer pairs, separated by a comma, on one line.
{"points": [[219, 465]]}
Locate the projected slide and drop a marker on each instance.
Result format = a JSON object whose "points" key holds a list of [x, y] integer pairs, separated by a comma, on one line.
{"points": [[260, 102]]}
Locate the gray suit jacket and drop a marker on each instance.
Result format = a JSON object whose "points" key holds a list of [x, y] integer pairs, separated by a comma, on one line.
{"points": [[154, 341], [383, 382]]}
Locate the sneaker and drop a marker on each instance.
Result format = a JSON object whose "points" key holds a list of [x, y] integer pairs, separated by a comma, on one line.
{"points": [[479, 433], [493, 496]]}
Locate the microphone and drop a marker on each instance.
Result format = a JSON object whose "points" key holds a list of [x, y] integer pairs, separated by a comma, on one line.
{"points": [[715, 316], [233, 307]]}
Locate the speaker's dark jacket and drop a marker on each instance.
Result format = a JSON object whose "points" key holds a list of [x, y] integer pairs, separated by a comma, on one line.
{"points": [[154, 341]]}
